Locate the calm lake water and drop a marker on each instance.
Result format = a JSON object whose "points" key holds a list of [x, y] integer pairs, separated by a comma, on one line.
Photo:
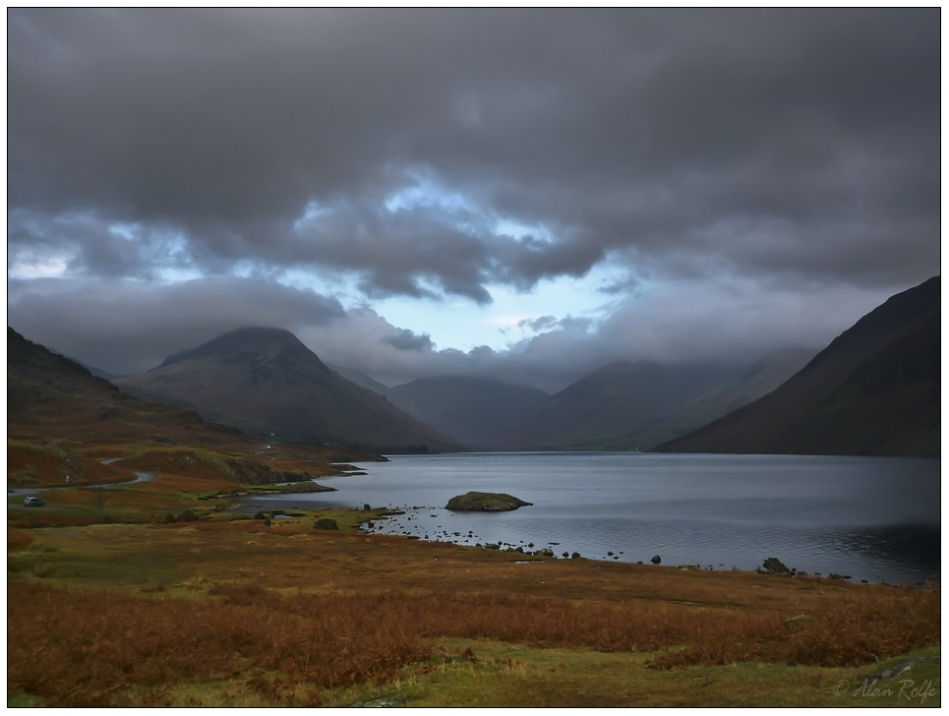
{"points": [[870, 518]]}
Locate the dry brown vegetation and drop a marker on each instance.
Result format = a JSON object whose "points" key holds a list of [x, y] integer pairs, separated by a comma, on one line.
{"points": [[17, 539], [84, 649], [138, 611], [853, 629]]}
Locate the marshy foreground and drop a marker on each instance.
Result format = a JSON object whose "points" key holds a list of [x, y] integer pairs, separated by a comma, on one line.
{"points": [[229, 611]]}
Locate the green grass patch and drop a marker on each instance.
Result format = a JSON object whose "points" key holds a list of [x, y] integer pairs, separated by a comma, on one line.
{"points": [[476, 673]]}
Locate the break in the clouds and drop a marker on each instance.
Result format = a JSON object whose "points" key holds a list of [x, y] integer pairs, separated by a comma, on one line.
{"points": [[338, 160]]}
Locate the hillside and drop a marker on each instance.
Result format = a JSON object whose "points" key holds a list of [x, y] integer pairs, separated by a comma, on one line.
{"points": [[611, 408], [471, 410], [51, 396], [361, 379], [266, 381], [63, 421], [874, 390]]}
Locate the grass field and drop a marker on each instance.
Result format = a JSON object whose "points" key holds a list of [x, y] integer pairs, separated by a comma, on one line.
{"points": [[255, 612]]}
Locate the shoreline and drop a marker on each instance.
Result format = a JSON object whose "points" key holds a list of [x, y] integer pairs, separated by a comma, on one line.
{"points": [[528, 547]]}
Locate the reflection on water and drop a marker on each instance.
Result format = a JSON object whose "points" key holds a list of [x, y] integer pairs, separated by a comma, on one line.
{"points": [[872, 518]]}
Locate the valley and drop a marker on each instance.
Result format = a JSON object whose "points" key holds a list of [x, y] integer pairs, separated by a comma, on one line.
{"points": [[305, 606]]}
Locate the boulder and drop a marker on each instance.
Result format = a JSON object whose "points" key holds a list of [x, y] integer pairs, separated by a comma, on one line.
{"points": [[485, 502]]}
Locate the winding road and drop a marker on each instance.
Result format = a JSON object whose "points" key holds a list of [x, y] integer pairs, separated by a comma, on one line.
{"points": [[24, 491]]}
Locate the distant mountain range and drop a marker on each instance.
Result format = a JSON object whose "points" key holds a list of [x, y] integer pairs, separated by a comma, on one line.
{"points": [[265, 381], [472, 410], [635, 406], [624, 406], [875, 390]]}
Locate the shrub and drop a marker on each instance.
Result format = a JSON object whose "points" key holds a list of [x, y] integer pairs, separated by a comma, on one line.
{"points": [[773, 565], [43, 571], [326, 523]]}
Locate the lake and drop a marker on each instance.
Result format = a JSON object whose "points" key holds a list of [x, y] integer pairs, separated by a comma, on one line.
{"points": [[875, 519]]}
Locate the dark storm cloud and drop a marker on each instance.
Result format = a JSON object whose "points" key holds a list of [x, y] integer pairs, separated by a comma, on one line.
{"points": [[130, 327], [753, 179], [738, 324], [406, 340], [686, 142]]}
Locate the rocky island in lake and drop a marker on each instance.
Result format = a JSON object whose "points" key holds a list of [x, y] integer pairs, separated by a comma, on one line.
{"points": [[485, 502]]}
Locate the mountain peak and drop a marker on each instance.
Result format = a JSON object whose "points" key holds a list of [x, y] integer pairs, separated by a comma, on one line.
{"points": [[266, 381], [249, 339]]}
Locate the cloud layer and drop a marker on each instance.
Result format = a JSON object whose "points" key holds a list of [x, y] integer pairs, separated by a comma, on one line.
{"points": [[438, 153]]}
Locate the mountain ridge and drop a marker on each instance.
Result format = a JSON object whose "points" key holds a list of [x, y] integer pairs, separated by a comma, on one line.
{"points": [[874, 390], [470, 409], [267, 381]]}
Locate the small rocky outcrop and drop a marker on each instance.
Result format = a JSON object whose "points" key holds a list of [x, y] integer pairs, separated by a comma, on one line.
{"points": [[485, 502]]}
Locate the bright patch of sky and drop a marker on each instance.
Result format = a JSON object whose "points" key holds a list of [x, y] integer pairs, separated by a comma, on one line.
{"points": [[169, 275], [27, 265], [129, 232], [341, 285], [457, 322], [457, 210], [461, 324], [426, 192], [311, 211], [517, 230]]}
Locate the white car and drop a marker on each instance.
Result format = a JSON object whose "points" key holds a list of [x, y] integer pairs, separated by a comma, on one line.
{"points": [[33, 501]]}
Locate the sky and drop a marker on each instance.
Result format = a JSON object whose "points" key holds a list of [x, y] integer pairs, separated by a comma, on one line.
{"points": [[521, 194]]}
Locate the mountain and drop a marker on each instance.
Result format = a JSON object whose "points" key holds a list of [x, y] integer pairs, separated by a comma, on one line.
{"points": [[757, 380], [611, 408], [97, 372], [470, 410], [265, 381], [62, 420], [51, 396], [361, 379], [874, 390]]}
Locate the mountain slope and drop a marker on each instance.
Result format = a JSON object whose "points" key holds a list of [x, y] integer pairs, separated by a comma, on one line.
{"points": [[757, 380], [873, 391], [468, 409], [362, 380], [612, 407], [266, 381], [62, 420], [49, 395]]}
